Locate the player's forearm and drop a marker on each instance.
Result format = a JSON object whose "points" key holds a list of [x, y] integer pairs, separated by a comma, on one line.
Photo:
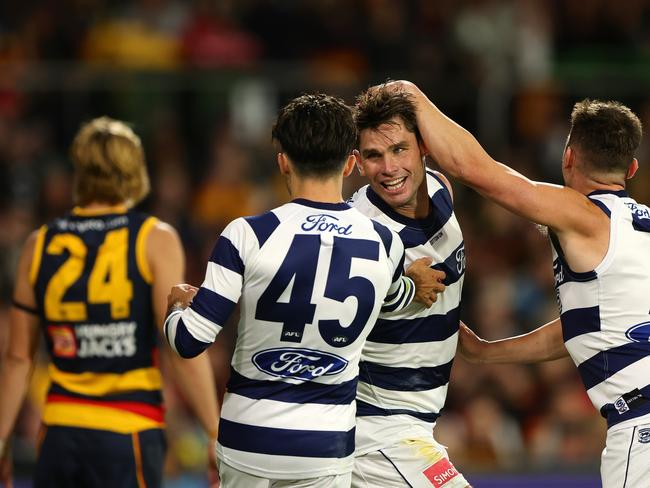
{"points": [[195, 379], [454, 148], [543, 344], [14, 378]]}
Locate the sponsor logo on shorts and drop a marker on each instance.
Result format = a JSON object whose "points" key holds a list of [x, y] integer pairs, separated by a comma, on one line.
{"points": [[644, 436], [299, 364], [440, 473], [64, 344]]}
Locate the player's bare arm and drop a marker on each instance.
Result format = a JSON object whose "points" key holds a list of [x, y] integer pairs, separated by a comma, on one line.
{"points": [[569, 213], [542, 344], [194, 376], [17, 362]]}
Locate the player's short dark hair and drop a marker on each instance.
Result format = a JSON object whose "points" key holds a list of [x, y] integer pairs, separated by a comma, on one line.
{"points": [[378, 105], [317, 132], [606, 133]]}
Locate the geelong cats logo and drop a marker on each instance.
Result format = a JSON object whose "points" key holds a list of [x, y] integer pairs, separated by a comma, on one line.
{"points": [[297, 363]]}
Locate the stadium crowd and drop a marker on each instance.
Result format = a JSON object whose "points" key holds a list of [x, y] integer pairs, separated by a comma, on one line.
{"points": [[201, 81]]}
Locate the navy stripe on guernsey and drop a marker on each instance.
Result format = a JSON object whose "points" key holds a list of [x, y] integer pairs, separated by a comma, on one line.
{"points": [[386, 237], [367, 410], [405, 379], [184, 342], [212, 306], [433, 328], [153, 397], [417, 231], [263, 226], [450, 266], [580, 321], [613, 417], [286, 442], [602, 206], [601, 366], [308, 392], [226, 254]]}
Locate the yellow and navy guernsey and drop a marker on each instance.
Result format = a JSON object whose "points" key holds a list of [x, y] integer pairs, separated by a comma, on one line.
{"points": [[93, 290]]}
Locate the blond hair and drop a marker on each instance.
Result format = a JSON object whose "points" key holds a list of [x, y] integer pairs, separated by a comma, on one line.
{"points": [[109, 164]]}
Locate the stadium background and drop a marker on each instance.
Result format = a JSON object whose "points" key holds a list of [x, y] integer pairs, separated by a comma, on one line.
{"points": [[201, 82]]}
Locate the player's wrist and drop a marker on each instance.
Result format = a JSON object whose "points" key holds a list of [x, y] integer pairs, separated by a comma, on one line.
{"points": [[3, 446]]}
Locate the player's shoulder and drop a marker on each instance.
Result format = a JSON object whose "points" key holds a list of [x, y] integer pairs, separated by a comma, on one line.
{"points": [[438, 182]]}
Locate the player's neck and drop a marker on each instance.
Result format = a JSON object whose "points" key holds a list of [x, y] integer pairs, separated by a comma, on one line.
{"points": [[317, 190]]}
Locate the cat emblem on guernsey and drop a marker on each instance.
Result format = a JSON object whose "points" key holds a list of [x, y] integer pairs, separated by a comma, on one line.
{"points": [[639, 332], [298, 363]]}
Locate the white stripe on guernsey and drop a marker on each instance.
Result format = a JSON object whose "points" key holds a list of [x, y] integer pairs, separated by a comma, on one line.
{"points": [[419, 401], [618, 384], [414, 355], [223, 281], [201, 328], [447, 301], [170, 327], [277, 467], [282, 415], [577, 294], [584, 346]]}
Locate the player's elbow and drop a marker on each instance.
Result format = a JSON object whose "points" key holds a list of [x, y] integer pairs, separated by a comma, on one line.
{"points": [[181, 340]]}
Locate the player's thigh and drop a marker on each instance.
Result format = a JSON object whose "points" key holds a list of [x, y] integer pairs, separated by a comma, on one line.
{"points": [[625, 458], [233, 478], [334, 481], [419, 463]]}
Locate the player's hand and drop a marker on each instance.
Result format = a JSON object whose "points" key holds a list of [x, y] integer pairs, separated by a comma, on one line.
{"points": [[181, 296], [213, 470], [470, 345], [428, 281], [6, 468]]}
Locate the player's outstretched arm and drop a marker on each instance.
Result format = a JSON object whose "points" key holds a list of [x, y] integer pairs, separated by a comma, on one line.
{"points": [[194, 377], [542, 344], [460, 154], [17, 361]]}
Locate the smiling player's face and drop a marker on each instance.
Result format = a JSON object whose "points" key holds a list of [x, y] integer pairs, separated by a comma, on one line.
{"points": [[391, 158]]}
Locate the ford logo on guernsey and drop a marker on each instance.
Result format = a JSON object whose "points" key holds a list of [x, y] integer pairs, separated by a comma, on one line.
{"points": [[639, 332], [299, 364]]}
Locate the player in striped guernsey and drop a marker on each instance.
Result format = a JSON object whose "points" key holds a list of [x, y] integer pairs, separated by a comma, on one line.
{"points": [[96, 280], [601, 250], [407, 359], [311, 277]]}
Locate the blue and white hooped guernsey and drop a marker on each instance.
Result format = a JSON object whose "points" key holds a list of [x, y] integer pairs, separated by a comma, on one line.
{"points": [[605, 313], [311, 279], [407, 359]]}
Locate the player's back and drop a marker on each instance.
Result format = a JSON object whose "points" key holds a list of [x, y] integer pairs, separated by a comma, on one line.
{"points": [[315, 276], [605, 313], [93, 290]]}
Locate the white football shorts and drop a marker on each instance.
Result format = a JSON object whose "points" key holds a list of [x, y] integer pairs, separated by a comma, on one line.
{"points": [[625, 461], [417, 463], [233, 478]]}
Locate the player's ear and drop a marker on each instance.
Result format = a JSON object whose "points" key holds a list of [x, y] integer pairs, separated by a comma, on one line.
{"points": [[357, 158], [632, 168], [568, 158], [424, 152], [349, 165], [283, 163]]}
